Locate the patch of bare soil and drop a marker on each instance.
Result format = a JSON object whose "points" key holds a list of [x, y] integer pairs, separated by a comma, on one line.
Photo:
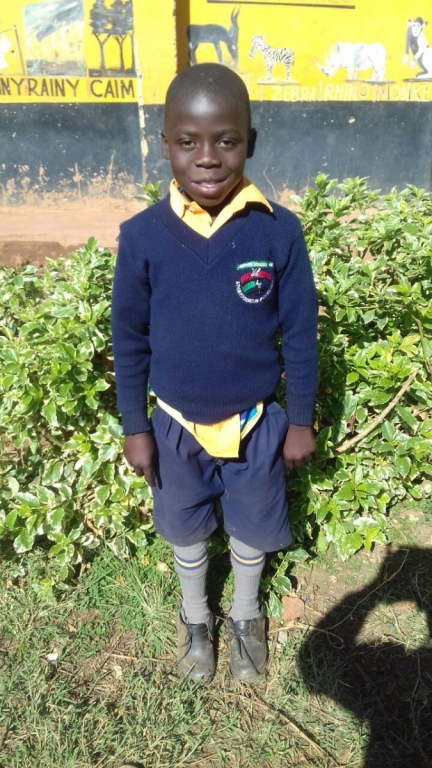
{"points": [[29, 234]]}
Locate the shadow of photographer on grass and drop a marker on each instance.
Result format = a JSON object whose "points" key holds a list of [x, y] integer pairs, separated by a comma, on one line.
{"points": [[385, 682]]}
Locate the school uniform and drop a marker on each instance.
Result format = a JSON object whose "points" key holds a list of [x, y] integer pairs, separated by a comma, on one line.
{"points": [[196, 308]]}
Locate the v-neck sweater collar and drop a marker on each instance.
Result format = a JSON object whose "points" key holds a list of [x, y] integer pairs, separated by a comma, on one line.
{"points": [[207, 249]]}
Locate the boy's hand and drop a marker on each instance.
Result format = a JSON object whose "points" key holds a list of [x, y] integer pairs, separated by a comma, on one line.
{"points": [[299, 446], [139, 452]]}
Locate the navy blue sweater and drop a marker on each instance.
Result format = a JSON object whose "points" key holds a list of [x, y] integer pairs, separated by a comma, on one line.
{"points": [[197, 317]]}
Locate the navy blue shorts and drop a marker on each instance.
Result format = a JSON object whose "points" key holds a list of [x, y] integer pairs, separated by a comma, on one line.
{"points": [[251, 488]]}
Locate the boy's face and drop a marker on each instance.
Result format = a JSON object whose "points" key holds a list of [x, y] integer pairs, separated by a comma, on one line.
{"points": [[207, 142]]}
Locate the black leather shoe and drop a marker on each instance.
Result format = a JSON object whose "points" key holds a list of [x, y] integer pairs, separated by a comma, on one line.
{"points": [[195, 650], [248, 648]]}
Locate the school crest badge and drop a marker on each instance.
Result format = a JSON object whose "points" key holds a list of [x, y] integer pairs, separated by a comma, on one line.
{"points": [[255, 280]]}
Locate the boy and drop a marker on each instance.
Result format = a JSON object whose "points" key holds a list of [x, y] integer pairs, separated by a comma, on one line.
{"points": [[203, 281]]}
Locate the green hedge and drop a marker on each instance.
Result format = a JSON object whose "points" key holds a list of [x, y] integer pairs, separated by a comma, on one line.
{"points": [[371, 257], [62, 477]]}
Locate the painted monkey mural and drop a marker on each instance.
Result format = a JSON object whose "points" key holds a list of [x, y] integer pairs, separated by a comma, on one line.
{"points": [[215, 34], [272, 56], [355, 58], [417, 45]]}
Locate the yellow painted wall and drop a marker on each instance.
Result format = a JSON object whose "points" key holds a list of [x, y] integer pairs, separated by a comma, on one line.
{"points": [[63, 63], [311, 32], [49, 52]]}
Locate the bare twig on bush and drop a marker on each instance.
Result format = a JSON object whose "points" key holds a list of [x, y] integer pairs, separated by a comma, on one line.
{"points": [[357, 439], [423, 346], [49, 438], [89, 524]]}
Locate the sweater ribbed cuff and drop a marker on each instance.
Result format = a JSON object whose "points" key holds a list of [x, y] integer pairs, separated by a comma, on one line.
{"points": [[300, 412], [134, 422]]}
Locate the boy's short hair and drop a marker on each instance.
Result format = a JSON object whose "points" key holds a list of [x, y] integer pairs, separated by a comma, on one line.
{"points": [[211, 80]]}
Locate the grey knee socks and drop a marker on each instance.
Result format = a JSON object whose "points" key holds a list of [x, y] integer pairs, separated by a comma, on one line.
{"points": [[247, 564], [191, 564]]}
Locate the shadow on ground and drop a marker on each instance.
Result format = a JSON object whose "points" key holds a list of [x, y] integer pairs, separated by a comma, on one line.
{"points": [[385, 682]]}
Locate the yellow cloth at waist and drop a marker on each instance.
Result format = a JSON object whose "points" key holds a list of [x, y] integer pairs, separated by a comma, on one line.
{"points": [[221, 440]]}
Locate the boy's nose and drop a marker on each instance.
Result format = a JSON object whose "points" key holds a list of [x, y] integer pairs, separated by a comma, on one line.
{"points": [[208, 157]]}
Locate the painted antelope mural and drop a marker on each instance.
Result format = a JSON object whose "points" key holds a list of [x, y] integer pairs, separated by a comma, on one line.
{"points": [[215, 34], [272, 56]]}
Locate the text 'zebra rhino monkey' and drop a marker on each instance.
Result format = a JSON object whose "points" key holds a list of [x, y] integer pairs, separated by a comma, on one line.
{"points": [[215, 34]]}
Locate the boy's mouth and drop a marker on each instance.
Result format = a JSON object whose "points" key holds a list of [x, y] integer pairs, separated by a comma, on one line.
{"points": [[209, 185]]}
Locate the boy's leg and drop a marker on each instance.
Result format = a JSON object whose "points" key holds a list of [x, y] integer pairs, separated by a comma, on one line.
{"points": [[183, 513], [254, 499], [191, 564], [187, 484], [246, 623], [247, 564], [195, 623], [255, 512]]}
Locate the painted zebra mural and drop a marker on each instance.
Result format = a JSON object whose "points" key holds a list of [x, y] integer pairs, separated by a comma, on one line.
{"points": [[272, 56]]}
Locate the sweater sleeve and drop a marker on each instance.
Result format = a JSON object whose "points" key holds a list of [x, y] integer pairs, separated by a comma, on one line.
{"points": [[298, 316], [130, 318]]}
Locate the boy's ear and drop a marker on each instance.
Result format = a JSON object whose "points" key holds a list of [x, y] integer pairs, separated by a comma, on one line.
{"points": [[164, 145], [251, 142]]}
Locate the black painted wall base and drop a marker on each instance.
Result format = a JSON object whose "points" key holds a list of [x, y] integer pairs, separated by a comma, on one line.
{"points": [[390, 142], [69, 149], [86, 148]]}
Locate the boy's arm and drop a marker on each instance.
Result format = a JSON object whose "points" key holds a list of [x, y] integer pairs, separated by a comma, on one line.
{"points": [[298, 316], [130, 318]]}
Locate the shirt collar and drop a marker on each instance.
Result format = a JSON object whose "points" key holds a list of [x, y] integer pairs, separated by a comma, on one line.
{"points": [[246, 193]]}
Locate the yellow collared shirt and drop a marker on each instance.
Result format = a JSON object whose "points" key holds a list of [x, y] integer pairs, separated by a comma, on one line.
{"points": [[223, 439], [200, 220]]}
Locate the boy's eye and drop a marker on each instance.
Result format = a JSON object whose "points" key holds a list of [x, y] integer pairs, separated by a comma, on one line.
{"points": [[186, 143], [227, 142]]}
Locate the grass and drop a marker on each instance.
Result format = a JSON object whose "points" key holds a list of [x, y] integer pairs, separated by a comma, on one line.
{"points": [[87, 675]]}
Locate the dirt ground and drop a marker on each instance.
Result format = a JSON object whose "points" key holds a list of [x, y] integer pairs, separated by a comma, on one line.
{"points": [[54, 227], [368, 648], [30, 234]]}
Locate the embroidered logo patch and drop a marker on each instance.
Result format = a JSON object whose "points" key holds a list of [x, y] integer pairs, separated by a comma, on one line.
{"points": [[255, 281]]}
